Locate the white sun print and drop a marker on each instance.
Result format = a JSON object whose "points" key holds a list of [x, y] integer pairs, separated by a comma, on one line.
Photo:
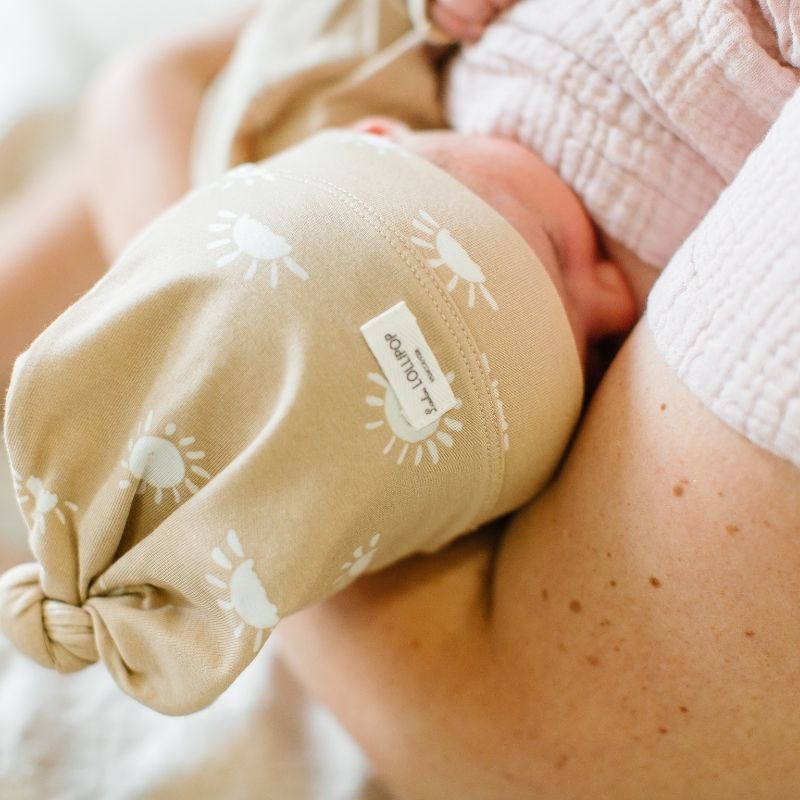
{"points": [[251, 239], [380, 144], [362, 557], [247, 595], [501, 414], [451, 254], [161, 461], [247, 174], [410, 438], [44, 501]]}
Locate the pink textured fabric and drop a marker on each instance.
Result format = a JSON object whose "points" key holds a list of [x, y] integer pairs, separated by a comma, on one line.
{"points": [[725, 313], [647, 108]]}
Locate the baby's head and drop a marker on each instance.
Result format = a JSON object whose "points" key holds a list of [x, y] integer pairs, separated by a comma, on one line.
{"points": [[513, 180], [343, 337]]}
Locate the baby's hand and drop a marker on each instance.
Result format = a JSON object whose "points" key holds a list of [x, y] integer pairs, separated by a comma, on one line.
{"points": [[465, 20]]}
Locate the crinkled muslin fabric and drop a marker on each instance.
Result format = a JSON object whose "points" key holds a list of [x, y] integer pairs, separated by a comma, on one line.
{"points": [[725, 314], [648, 110], [205, 442]]}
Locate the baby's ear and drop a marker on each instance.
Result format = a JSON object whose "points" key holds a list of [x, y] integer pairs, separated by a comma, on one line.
{"points": [[381, 126], [607, 301]]}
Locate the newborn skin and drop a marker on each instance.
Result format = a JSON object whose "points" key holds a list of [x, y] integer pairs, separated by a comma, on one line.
{"points": [[465, 20], [596, 293]]}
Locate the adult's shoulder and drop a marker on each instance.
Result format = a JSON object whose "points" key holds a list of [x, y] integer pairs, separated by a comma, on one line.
{"points": [[633, 632], [649, 601], [654, 586]]}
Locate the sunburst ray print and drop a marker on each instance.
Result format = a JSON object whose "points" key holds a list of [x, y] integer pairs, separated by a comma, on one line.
{"points": [[39, 501], [448, 252], [409, 440], [248, 174], [161, 460], [246, 594], [361, 559], [380, 144], [247, 238]]}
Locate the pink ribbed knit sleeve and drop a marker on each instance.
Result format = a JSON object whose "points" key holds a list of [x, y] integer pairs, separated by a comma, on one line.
{"points": [[725, 313]]}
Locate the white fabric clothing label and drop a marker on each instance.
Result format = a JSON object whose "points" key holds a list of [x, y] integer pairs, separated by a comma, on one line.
{"points": [[409, 365]]}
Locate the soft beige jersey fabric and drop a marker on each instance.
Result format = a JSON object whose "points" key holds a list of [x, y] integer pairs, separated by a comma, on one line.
{"points": [[205, 443], [302, 67]]}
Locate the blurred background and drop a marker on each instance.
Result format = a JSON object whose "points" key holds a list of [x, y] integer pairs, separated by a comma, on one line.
{"points": [[49, 50]]}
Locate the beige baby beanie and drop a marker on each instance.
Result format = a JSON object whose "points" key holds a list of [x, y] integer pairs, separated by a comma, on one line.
{"points": [[311, 368]]}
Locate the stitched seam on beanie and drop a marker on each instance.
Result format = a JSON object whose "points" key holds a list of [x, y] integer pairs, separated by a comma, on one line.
{"points": [[414, 261]]}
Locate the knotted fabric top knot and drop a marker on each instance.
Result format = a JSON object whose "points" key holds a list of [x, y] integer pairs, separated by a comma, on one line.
{"points": [[55, 634]]}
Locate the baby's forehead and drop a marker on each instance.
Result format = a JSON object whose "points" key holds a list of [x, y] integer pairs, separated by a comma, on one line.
{"points": [[501, 172], [508, 176]]}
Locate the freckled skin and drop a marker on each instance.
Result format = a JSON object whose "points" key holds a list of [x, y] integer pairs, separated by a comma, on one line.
{"points": [[575, 607], [515, 669], [655, 582], [679, 488]]}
